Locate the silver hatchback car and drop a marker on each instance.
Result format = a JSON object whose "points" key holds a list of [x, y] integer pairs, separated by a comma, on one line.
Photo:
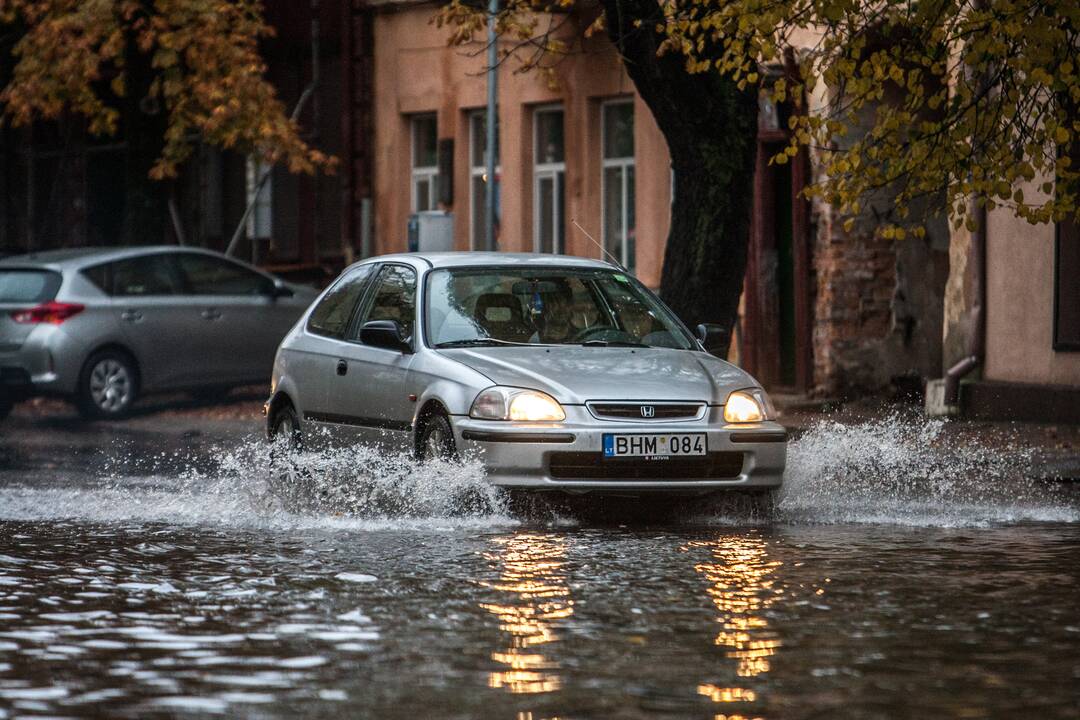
{"points": [[561, 373], [103, 325]]}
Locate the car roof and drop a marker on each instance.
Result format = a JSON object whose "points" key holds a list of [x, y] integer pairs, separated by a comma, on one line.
{"points": [[78, 258], [477, 258]]}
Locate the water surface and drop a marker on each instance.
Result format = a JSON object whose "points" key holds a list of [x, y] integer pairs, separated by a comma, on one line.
{"points": [[889, 582]]}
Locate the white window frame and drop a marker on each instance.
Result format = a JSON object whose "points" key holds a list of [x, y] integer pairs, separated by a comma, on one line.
{"points": [[625, 163], [476, 224], [422, 173], [557, 172], [260, 221]]}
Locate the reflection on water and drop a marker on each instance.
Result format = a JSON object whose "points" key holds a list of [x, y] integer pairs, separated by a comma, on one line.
{"points": [[156, 621], [533, 577], [742, 588]]}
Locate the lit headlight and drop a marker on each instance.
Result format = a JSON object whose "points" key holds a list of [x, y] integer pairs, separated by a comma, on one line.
{"points": [[746, 406], [500, 403]]}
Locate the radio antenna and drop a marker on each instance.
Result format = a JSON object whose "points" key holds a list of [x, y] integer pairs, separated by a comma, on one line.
{"points": [[602, 248]]}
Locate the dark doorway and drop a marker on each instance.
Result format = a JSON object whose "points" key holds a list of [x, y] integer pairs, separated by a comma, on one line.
{"points": [[777, 302]]}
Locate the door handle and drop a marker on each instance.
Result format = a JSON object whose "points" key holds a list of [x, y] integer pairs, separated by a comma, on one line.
{"points": [[211, 314], [342, 367], [131, 315]]}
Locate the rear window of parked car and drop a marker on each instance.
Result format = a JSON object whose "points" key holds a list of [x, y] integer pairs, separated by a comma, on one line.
{"points": [[28, 286]]}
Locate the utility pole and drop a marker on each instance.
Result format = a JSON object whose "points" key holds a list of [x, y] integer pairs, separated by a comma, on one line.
{"points": [[491, 123]]}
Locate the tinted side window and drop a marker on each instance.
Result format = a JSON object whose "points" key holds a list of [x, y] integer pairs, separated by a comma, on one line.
{"points": [[331, 316], [142, 276], [101, 276], [204, 275], [395, 297]]}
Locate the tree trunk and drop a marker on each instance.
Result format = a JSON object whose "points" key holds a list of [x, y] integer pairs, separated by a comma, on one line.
{"points": [[143, 125], [711, 130]]}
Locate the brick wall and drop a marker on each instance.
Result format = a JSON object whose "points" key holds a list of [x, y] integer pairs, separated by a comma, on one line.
{"points": [[878, 307]]}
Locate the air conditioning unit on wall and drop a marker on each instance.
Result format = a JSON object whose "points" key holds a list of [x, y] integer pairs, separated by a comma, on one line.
{"points": [[431, 231]]}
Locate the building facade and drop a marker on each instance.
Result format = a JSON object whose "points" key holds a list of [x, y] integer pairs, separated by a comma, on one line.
{"points": [[580, 165], [1012, 318], [584, 149], [61, 187]]}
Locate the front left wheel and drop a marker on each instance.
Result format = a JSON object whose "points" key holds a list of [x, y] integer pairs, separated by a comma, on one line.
{"points": [[288, 481], [437, 440], [108, 386]]}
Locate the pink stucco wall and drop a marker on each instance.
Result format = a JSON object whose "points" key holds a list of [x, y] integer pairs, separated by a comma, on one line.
{"points": [[415, 72], [1020, 302]]}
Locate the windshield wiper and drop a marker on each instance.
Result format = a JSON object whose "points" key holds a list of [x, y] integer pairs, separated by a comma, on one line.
{"points": [[476, 342], [612, 343]]}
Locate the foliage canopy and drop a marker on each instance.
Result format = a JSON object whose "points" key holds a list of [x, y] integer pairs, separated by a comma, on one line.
{"points": [[74, 56], [906, 101]]}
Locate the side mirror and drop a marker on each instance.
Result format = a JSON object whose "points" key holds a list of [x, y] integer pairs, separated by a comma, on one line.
{"points": [[714, 338], [385, 334], [280, 289]]}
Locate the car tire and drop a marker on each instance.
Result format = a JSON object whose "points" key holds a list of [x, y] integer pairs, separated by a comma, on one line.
{"points": [[437, 440], [108, 386], [6, 405], [285, 429], [288, 482]]}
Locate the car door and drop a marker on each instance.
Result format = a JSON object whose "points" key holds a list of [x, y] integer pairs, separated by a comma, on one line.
{"points": [[369, 395], [314, 361], [154, 319], [241, 323]]}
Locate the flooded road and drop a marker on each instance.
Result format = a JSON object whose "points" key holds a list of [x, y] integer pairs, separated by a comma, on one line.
{"points": [[890, 581]]}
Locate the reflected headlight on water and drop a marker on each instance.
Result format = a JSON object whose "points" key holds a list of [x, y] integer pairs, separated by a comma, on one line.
{"points": [[503, 403]]}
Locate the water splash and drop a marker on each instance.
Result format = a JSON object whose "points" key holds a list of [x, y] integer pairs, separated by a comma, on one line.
{"points": [[895, 471], [358, 487], [911, 471]]}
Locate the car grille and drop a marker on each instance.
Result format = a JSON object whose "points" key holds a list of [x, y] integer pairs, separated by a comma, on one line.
{"points": [[642, 411], [593, 466]]}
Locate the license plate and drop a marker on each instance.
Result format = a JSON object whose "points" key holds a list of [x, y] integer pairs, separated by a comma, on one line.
{"points": [[659, 445]]}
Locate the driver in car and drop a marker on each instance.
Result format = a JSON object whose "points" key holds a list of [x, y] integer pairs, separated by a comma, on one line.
{"points": [[583, 314], [553, 323]]}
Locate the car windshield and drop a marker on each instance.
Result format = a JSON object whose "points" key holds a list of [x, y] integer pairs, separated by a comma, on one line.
{"points": [[511, 306]]}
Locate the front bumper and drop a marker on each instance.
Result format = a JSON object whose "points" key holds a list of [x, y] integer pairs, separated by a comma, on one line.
{"points": [[534, 456]]}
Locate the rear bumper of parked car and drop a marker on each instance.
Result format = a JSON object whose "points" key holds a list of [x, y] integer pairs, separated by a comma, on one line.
{"points": [[569, 457], [45, 363]]}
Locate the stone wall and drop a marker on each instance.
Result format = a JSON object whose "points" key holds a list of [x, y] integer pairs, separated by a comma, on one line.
{"points": [[878, 306]]}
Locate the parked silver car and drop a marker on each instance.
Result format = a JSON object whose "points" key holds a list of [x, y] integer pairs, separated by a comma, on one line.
{"points": [[102, 326], [561, 373]]}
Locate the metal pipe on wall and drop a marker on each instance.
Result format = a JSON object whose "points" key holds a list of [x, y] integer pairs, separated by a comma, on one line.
{"points": [[492, 127]]}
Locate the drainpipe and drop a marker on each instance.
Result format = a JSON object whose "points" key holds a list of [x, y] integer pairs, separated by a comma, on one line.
{"points": [[977, 345], [491, 122]]}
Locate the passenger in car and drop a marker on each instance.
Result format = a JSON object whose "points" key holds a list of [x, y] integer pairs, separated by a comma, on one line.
{"points": [[499, 314]]}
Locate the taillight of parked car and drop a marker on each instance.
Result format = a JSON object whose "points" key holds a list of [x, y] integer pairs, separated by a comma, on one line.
{"points": [[53, 313]]}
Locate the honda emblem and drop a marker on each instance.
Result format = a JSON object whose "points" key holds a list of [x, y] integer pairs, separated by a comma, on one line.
{"points": [[648, 411]]}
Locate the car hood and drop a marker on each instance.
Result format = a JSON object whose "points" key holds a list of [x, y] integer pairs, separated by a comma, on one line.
{"points": [[574, 375]]}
